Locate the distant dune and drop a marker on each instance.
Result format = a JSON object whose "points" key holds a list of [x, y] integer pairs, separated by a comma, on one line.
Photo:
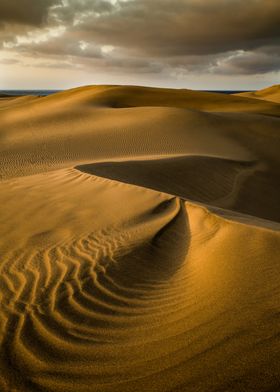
{"points": [[268, 94], [139, 241]]}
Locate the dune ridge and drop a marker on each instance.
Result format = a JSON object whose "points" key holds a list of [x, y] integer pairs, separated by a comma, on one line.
{"points": [[215, 181], [139, 242]]}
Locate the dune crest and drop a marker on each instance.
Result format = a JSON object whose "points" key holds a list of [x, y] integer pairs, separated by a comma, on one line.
{"points": [[139, 238]]}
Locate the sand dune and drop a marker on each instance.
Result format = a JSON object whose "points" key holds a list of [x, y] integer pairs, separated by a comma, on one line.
{"points": [[219, 182], [139, 242], [271, 94]]}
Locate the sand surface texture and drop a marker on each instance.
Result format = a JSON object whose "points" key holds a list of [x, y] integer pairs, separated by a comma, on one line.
{"points": [[139, 241]]}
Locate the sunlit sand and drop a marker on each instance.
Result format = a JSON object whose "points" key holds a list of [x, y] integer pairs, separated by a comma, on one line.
{"points": [[139, 241]]}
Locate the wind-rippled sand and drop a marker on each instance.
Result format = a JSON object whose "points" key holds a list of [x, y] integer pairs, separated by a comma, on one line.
{"points": [[139, 241]]}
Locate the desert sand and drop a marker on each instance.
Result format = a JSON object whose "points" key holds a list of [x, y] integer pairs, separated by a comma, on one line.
{"points": [[139, 241], [267, 94]]}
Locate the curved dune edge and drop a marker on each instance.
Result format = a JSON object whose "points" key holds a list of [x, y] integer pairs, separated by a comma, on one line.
{"points": [[133, 256], [213, 181]]}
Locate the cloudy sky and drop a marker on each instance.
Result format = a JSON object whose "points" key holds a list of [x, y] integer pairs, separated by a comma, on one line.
{"points": [[203, 44]]}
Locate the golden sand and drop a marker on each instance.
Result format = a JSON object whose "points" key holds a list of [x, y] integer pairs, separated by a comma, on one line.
{"points": [[139, 241], [271, 94]]}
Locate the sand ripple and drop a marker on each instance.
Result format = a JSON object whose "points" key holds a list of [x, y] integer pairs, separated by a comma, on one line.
{"points": [[107, 286]]}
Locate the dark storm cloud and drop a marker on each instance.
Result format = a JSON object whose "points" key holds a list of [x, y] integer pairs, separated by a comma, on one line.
{"points": [[180, 27], [175, 36], [25, 12]]}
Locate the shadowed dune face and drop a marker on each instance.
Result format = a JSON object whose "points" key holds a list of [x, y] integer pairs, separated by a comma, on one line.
{"points": [[215, 181], [118, 270]]}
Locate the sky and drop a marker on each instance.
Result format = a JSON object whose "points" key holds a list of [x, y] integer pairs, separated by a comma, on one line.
{"points": [[198, 44]]}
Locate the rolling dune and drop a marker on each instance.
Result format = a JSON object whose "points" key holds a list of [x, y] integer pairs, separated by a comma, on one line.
{"points": [[215, 181], [139, 242]]}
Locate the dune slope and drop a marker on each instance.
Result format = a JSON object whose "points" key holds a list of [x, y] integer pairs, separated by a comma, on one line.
{"points": [[271, 94], [139, 243], [215, 181]]}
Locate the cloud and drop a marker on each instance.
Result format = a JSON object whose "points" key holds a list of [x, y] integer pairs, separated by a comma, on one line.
{"points": [[181, 27], [61, 46], [25, 12], [175, 37], [9, 61], [246, 63]]}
